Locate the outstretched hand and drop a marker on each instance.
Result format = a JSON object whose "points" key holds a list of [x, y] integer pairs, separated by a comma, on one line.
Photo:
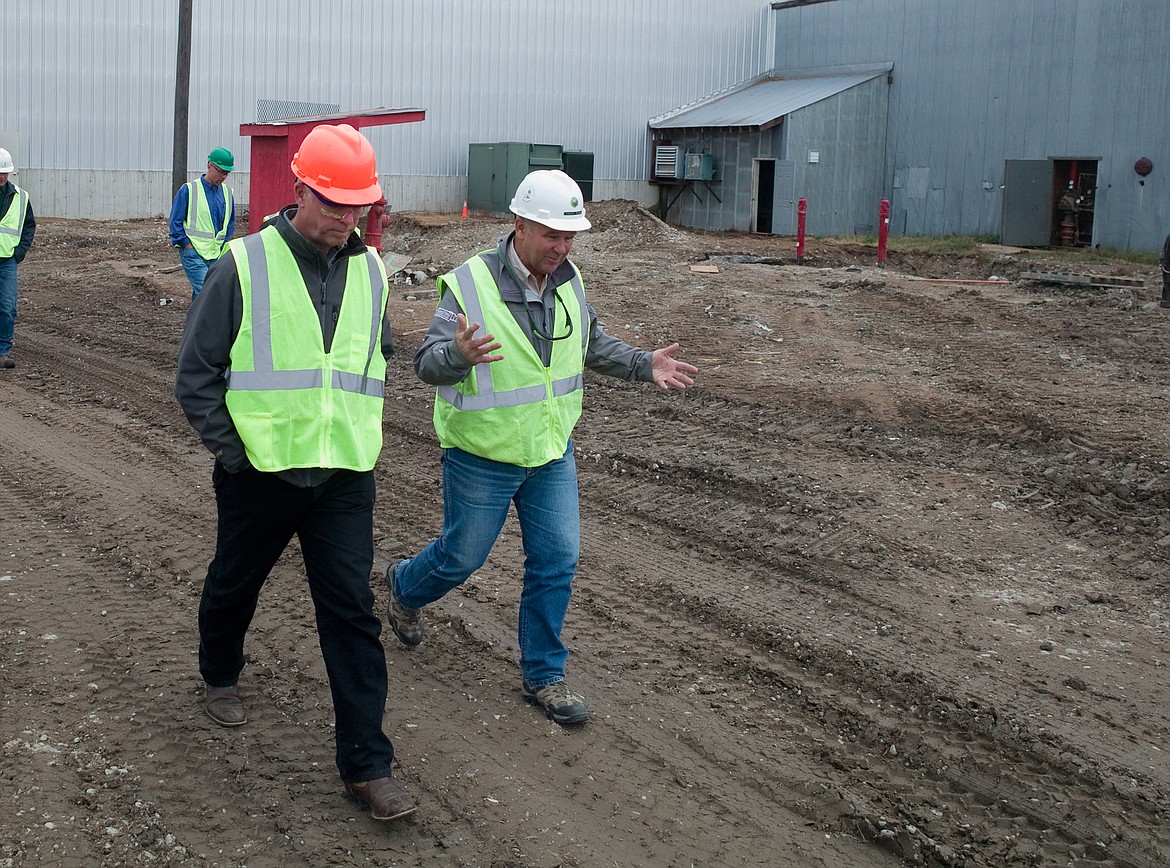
{"points": [[669, 372], [477, 350]]}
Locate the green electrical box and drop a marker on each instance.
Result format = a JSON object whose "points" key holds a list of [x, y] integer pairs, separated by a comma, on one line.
{"points": [[495, 170], [579, 167]]}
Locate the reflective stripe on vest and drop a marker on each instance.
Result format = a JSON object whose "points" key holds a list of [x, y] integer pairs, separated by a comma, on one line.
{"points": [[207, 238], [517, 410], [12, 223], [294, 404], [487, 396], [265, 376]]}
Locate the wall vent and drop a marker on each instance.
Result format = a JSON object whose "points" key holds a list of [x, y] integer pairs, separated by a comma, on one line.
{"points": [[668, 161]]}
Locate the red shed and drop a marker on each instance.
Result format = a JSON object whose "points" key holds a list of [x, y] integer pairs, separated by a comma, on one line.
{"points": [[275, 142]]}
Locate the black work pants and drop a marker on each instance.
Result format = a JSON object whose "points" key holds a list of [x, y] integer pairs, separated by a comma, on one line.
{"points": [[258, 515]]}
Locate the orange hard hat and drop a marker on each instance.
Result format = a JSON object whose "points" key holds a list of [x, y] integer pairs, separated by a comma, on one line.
{"points": [[338, 162]]}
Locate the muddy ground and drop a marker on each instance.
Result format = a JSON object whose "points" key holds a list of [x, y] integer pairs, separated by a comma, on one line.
{"points": [[888, 586]]}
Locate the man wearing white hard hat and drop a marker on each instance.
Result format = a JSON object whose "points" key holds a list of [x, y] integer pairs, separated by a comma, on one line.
{"points": [[17, 228], [507, 349]]}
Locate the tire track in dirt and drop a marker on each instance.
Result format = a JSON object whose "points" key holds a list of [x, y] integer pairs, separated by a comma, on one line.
{"points": [[787, 573], [661, 499], [148, 674], [628, 493], [287, 685]]}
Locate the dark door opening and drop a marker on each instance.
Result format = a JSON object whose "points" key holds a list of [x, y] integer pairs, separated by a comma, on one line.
{"points": [[765, 194], [1074, 190]]}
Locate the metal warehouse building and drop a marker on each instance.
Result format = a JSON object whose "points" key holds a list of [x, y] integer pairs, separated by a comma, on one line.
{"points": [[88, 101], [1039, 121], [995, 107]]}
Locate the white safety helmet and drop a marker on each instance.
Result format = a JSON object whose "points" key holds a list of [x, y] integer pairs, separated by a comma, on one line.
{"points": [[551, 198], [6, 166]]}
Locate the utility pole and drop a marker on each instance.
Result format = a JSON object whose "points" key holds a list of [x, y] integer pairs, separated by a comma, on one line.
{"points": [[182, 97]]}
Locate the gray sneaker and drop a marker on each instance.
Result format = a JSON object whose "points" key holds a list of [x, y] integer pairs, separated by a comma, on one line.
{"points": [[406, 622], [561, 705], [7, 362]]}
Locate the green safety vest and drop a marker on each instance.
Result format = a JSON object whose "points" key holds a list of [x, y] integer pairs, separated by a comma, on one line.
{"points": [[207, 238], [12, 223], [293, 404], [515, 410]]}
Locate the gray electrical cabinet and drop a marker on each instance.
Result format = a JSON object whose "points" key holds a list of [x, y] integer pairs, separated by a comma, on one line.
{"points": [[1027, 203]]}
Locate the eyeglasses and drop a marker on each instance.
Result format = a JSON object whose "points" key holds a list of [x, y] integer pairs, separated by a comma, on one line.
{"points": [[340, 212], [568, 319]]}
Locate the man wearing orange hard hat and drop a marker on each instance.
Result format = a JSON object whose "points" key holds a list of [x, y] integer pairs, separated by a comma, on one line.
{"points": [[282, 372]]}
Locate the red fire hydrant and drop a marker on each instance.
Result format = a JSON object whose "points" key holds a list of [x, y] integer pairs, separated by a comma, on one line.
{"points": [[376, 221]]}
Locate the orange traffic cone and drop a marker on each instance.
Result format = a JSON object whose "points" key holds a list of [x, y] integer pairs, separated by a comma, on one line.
{"points": [[464, 214]]}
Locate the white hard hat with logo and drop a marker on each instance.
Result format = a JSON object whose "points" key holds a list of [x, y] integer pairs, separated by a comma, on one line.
{"points": [[6, 166], [551, 198]]}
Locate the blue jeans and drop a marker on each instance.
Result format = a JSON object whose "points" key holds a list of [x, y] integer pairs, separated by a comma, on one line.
{"points": [[7, 304], [196, 268], [476, 496]]}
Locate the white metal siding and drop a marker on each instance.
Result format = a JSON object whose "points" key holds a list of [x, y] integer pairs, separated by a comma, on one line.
{"points": [[94, 83]]}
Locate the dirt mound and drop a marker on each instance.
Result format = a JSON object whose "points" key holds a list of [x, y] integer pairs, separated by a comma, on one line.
{"points": [[622, 224]]}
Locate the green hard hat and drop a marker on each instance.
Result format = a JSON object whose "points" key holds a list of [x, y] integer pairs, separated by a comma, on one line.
{"points": [[222, 158]]}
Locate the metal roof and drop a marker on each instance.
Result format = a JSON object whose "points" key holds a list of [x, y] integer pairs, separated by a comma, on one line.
{"points": [[763, 101]]}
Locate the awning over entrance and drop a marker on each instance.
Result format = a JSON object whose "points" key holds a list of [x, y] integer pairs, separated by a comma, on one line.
{"points": [[763, 101]]}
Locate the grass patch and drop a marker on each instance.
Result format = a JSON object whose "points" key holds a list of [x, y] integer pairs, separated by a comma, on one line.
{"points": [[947, 245], [961, 245]]}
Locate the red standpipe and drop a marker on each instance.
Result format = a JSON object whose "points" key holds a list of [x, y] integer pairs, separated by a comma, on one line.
{"points": [[376, 221], [801, 211], [883, 231]]}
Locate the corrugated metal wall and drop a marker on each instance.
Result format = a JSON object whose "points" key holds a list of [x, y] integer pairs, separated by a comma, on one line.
{"points": [[89, 91], [976, 84], [844, 186]]}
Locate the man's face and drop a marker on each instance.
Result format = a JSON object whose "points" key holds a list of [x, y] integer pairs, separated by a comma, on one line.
{"points": [[325, 226], [540, 248], [216, 175], [3, 178]]}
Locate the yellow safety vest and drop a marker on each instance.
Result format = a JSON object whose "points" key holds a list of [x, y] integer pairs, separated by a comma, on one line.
{"points": [[293, 404], [515, 410], [207, 238], [12, 222]]}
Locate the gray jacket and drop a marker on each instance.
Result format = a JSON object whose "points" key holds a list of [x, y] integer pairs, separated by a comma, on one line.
{"points": [[214, 321], [439, 362]]}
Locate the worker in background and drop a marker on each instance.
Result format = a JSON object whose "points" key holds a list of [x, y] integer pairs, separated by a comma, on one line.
{"points": [[203, 218], [17, 228], [282, 370], [1165, 262], [504, 421]]}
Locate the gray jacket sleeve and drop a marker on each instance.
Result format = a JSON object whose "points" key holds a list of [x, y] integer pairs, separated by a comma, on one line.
{"points": [[439, 362], [613, 357], [204, 359]]}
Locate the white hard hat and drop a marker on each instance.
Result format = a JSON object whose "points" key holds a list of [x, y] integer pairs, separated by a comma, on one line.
{"points": [[6, 166], [551, 198]]}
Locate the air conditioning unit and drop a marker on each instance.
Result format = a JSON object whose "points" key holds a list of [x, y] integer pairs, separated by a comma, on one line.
{"points": [[668, 161], [700, 167]]}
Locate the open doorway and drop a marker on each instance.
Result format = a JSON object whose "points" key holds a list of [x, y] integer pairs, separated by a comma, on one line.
{"points": [[773, 196], [763, 193], [1074, 191]]}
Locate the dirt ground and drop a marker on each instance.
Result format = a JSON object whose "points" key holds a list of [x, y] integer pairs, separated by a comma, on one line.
{"points": [[889, 586]]}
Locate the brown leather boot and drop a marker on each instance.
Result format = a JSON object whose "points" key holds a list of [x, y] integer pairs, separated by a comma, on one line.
{"points": [[387, 800], [224, 706]]}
